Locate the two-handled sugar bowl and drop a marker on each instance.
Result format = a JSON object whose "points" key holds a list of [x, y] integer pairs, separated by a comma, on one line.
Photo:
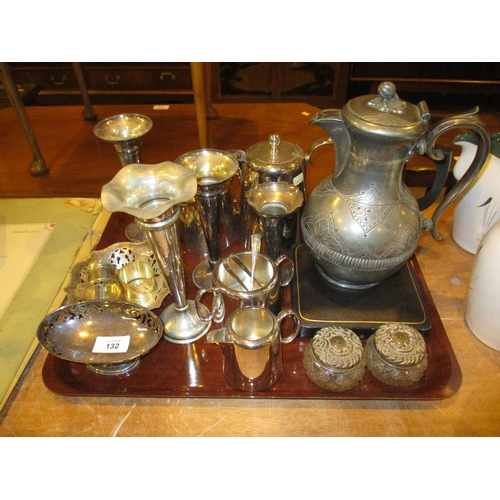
{"points": [[232, 277]]}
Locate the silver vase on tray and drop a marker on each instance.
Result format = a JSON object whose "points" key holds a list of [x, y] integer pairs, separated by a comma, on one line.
{"points": [[152, 194], [214, 170], [124, 132]]}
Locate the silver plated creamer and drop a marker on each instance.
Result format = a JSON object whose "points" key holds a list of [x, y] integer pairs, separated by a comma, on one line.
{"points": [[362, 223]]}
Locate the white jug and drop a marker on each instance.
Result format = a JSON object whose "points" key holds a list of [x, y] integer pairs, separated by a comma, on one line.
{"points": [[479, 206], [483, 304]]}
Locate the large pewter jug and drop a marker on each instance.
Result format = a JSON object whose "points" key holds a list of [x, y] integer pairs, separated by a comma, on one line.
{"points": [[362, 223]]}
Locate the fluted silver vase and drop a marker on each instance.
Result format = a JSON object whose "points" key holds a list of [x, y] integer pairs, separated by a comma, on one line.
{"points": [[152, 193]]}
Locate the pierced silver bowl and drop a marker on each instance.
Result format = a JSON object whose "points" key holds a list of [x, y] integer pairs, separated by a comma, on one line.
{"points": [[108, 336]]}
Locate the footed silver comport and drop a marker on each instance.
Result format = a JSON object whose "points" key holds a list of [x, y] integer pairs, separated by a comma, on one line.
{"points": [[108, 336], [152, 194]]}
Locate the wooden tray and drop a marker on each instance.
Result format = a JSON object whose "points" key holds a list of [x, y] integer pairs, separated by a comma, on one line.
{"points": [[195, 370]]}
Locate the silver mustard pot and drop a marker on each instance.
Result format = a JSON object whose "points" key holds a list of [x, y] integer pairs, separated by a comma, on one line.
{"points": [[274, 160]]}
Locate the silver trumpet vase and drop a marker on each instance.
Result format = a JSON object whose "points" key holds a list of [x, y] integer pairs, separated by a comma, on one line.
{"points": [[214, 170], [152, 194], [124, 132], [274, 203]]}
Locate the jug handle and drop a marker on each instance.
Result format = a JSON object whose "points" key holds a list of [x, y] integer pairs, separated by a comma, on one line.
{"points": [[442, 170], [283, 314], [285, 278], [240, 157], [218, 307], [472, 122], [324, 141]]}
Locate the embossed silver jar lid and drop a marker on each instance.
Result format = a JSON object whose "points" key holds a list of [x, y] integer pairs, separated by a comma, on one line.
{"points": [[400, 345], [387, 114], [275, 156], [336, 348]]}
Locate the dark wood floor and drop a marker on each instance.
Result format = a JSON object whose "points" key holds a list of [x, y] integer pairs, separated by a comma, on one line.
{"points": [[80, 163]]}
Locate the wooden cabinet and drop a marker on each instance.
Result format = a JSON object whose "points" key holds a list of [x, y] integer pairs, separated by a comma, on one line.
{"points": [[108, 82], [320, 84], [441, 84]]}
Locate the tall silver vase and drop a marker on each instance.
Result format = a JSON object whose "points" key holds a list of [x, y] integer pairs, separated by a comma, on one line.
{"points": [[124, 132], [152, 193], [214, 171]]}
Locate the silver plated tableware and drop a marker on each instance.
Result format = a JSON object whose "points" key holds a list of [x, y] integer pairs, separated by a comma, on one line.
{"points": [[152, 194], [124, 132], [274, 203], [116, 256], [233, 278], [214, 171], [362, 223], [273, 160], [251, 347], [107, 336]]}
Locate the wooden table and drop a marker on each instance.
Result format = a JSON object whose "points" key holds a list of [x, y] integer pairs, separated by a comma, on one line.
{"points": [[473, 411]]}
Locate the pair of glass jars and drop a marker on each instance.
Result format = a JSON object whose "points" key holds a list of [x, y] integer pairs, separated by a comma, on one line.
{"points": [[395, 354]]}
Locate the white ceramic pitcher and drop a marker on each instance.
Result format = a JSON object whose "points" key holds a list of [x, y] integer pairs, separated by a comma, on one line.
{"points": [[483, 304], [479, 206]]}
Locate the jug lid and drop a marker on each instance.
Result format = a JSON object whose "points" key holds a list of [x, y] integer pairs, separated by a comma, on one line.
{"points": [[400, 345], [275, 155], [336, 348], [386, 114]]}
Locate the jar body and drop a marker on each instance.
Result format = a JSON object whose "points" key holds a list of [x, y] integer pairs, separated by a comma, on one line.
{"points": [[333, 380], [334, 359], [389, 374]]}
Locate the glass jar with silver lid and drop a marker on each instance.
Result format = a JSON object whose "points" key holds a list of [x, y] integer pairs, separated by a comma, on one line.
{"points": [[396, 354], [334, 359]]}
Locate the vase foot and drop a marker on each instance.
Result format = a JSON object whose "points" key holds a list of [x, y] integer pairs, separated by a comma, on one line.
{"points": [[184, 327]]}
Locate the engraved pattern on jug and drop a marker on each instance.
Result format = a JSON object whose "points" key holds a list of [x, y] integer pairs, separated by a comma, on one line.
{"points": [[370, 210]]}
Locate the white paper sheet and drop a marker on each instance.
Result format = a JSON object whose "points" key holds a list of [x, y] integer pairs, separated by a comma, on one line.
{"points": [[20, 246]]}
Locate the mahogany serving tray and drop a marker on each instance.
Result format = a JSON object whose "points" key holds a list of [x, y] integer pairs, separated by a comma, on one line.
{"points": [[195, 370]]}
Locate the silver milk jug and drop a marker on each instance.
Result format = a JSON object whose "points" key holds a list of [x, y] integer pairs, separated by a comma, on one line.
{"points": [[362, 223], [251, 347]]}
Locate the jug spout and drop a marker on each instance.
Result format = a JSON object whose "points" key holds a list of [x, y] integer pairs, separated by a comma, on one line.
{"points": [[331, 121], [218, 336]]}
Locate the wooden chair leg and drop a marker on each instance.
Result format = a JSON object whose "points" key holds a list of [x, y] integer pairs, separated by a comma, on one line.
{"points": [[200, 101], [88, 111], [37, 167], [211, 112]]}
